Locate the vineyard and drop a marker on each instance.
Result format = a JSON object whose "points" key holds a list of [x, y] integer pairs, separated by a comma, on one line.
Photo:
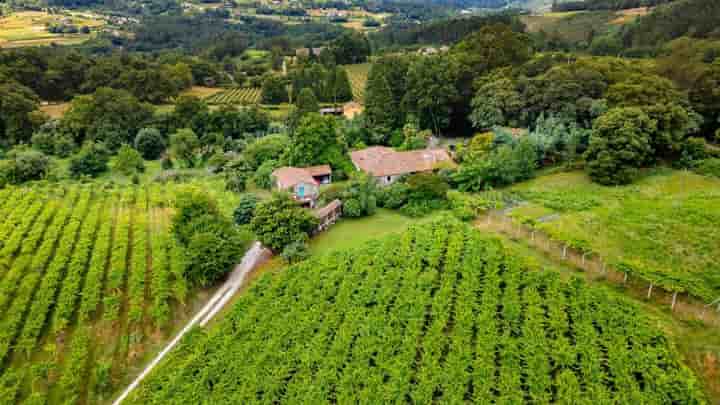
{"points": [[438, 314], [239, 95], [358, 75], [662, 229], [90, 281]]}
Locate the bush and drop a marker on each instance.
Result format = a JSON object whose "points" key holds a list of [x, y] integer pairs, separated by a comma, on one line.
{"points": [[49, 140], [24, 165], [212, 243], [128, 161], [295, 252], [393, 196], [421, 208], [91, 160], [263, 175], [279, 222], [709, 167], [235, 180], [211, 255], [150, 143], [426, 187], [166, 163], [352, 208], [243, 214]]}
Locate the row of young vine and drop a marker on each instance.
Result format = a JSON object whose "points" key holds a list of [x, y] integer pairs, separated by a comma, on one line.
{"points": [[73, 260], [439, 314]]}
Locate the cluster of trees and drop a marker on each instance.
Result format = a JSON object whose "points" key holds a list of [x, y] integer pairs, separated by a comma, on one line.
{"points": [[605, 4], [213, 244], [437, 90], [328, 83], [56, 74], [442, 31], [693, 18]]}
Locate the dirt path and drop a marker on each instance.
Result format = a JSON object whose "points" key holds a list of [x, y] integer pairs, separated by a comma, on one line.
{"points": [[683, 307], [253, 257]]}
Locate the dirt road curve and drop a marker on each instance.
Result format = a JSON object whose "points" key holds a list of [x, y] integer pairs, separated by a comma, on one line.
{"points": [[253, 257]]}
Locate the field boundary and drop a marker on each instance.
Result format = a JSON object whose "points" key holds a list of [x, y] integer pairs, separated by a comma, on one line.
{"points": [[684, 307], [256, 255]]}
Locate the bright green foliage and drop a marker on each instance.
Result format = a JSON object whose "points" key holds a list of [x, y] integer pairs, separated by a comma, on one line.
{"points": [[422, 317], [128, 161], [91, 160], [244, 212], [280, 221], [619, 145], [662, 229], [274, 90], [183, 146]]}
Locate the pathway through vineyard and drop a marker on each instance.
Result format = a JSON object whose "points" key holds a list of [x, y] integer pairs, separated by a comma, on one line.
{"points": [[255, 256], [596, 270]]}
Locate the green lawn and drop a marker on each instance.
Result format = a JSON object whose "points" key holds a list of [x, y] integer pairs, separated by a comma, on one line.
{"points": [[348, 232], [663, 228]]}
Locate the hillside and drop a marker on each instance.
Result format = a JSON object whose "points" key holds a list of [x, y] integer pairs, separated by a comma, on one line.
{"points": [[439, 314]]}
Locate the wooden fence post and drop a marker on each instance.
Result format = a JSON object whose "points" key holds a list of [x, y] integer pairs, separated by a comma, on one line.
{"points": [[583, 258], [564, 252], [649, 290], [672, 306], [625, 278], [532, 236]]}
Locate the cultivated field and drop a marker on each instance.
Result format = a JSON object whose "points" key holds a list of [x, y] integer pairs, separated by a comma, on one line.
{"points": [[91, 283], [438, 314], [240, 95], [358, 75], [663, 228], [28, 28]]}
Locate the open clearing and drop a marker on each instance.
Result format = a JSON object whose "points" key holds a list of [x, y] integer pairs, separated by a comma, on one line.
{"points": [[27, 28]]}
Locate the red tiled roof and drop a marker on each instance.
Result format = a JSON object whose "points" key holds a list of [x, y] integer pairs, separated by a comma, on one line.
{"points": [[382, 161], [287, 177], [322, 170]]}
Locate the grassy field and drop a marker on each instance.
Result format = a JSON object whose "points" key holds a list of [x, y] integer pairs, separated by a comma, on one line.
{"points": [[351, 232], [28, 28], [573, 26], [663, 228], [358, 75]]}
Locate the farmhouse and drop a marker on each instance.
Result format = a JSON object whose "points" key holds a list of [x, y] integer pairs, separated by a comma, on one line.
{"points": [[302, 182], [387, 165]]}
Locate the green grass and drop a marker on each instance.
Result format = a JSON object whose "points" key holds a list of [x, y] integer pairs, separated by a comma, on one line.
{"points": [[664, 226], [351, 232]]}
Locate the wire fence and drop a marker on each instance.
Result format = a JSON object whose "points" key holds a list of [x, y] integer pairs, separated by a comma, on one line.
{"points": [[680, 304]]}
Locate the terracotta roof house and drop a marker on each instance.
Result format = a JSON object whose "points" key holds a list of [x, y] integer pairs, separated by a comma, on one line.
{"points": [[387, 165], [303, 183]]}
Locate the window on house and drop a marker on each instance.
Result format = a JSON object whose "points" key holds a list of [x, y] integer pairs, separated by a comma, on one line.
{"points": [[388, 178], [301, 191]]}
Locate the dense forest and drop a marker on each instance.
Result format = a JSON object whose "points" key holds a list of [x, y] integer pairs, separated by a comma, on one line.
{"points": [[605, 4]]}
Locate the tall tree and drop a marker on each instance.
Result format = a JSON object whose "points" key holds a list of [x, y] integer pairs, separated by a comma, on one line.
{"points": [[384, 91], [431, 92]]}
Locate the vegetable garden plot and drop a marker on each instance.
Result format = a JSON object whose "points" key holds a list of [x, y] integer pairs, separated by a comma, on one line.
{"points": [[438, 314]]}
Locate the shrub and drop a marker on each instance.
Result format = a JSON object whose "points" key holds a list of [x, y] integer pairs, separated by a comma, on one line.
{"points": [[24, 165], [709, 167], [128, 161], [243, 214], [393, 196], [150, 143], [91, 160], [210, 255], [295, 252], [352, 208], [263, 175], [279, 222]]}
